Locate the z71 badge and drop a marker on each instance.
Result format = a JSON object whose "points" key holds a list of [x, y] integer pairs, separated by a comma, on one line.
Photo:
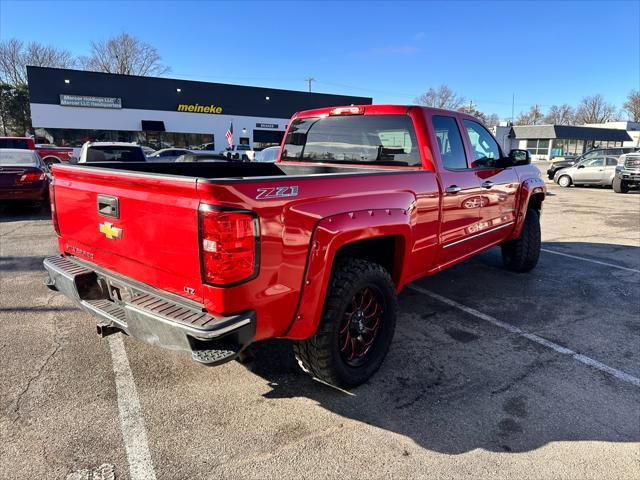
{"points": [[276, 192]]}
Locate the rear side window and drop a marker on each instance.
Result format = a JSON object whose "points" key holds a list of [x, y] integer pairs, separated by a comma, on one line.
{"points": [[449, 142], [14, 143], [115, 154], [375, 139]]}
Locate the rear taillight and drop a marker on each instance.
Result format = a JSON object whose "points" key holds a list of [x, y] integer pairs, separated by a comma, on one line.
{"points": [[54, 213], [30, 177], [229, 245]]}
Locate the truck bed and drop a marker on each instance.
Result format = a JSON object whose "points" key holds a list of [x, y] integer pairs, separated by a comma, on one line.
{"points": [[232, 171]]}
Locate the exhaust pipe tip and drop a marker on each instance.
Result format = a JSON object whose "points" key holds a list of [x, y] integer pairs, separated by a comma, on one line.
{"points": [[105, 329]]}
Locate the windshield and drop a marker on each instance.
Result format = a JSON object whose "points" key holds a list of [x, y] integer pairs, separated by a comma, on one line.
{"points": [[26, 158], [380, 139], [114, 153]]}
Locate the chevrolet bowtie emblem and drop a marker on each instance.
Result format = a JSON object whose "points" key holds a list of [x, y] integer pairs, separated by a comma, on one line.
{"points": [[110, 231]]}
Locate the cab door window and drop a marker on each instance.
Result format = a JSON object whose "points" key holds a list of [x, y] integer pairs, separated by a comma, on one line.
{"points": [[449, 142], [483, 146]]}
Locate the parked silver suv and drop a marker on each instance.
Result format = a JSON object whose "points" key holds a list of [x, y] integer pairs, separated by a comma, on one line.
{"points": [[596, 170]]}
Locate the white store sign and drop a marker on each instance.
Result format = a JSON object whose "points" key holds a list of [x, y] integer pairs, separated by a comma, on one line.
{"points": [[90, 101]]}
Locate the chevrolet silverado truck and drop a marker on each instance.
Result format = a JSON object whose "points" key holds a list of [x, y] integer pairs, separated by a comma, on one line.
{"points": [[627, 174], [207, 258]]}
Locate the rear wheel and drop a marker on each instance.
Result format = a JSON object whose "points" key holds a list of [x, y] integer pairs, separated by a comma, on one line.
{"points": [[50, 161], [564, 181], [522, 254], [356, 327], [620, 186]]}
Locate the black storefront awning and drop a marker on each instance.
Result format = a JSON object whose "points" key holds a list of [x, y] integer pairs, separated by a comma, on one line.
{"points": [[570, 132], [267, 136], [153, 126]]}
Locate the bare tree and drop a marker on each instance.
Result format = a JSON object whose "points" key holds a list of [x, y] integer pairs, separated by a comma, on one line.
{"points": [[532, 117], [489, 121], [560, 115], [442, 97], [124, 54], [15, 56], [493, 120], [594, 110], [632, 105]]}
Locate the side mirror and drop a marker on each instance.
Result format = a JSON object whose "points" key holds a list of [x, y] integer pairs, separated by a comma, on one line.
{"points": [[515, 158], [520, 157], [580, 166], [73, 160]]}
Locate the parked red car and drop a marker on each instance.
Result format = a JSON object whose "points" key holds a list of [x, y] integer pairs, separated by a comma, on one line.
{"points": [[23, 176], [210, 257], [49, 154]]}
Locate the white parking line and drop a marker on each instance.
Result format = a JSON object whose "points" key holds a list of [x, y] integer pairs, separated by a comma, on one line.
{"points": [[590, 260], [131, 421], [619, 374]]}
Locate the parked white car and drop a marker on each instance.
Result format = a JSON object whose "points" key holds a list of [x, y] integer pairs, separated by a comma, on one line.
{"points": [[240, 153], [268, 155], [111, 152]]}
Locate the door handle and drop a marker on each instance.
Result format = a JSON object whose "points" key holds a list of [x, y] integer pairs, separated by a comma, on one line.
{"points": [[453, 189], [488, 184]]}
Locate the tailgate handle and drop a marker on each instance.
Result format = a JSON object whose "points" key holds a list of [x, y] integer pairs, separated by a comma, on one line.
{"points": [[108, 206]]}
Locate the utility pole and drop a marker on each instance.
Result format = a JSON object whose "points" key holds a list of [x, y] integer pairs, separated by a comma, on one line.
{"points": [[513, 106], [309, 79]]}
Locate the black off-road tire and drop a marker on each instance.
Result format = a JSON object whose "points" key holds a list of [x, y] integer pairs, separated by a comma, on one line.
{"points": [[620, 186], [522, 254], [320, 355]]}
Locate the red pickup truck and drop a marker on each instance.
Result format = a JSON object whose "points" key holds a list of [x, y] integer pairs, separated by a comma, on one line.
{"points": [[210, 257], [49, 154]]}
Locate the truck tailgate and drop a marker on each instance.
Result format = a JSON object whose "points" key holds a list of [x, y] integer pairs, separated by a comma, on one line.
{"points": [[140, 226]]}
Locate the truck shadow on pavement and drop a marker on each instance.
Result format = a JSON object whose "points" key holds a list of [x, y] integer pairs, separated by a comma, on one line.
{"points": [[453, 383]]}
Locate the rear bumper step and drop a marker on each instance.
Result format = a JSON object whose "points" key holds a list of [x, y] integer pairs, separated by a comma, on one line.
{"points": [[148, 314]]}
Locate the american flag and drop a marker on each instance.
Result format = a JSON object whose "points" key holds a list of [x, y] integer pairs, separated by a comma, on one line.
{"points": [[229, 135]]}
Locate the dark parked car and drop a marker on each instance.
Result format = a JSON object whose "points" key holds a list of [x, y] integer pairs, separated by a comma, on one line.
{"points": [[23, 177], [598, 152], [167, 154]]}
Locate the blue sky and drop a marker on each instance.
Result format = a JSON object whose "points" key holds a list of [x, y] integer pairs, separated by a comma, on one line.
{"points": [[544, 52]]}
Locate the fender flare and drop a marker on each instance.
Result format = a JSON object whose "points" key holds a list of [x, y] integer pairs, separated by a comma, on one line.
{"points": [[331, 234], [530, 187]]}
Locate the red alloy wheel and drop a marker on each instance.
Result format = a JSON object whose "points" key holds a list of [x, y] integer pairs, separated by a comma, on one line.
{"points": [[360, 325]]}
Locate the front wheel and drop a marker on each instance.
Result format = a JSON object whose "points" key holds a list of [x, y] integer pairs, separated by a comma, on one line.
{"points": [[356, 328], [620, 186], [564, 181], [522, 254]]}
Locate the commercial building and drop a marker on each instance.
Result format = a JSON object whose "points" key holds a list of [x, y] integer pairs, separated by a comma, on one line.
{"points": [[69, 107], [545, 142]]}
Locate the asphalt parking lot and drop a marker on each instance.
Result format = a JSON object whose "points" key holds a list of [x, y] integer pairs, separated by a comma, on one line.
{"points": [[491, 375]]}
